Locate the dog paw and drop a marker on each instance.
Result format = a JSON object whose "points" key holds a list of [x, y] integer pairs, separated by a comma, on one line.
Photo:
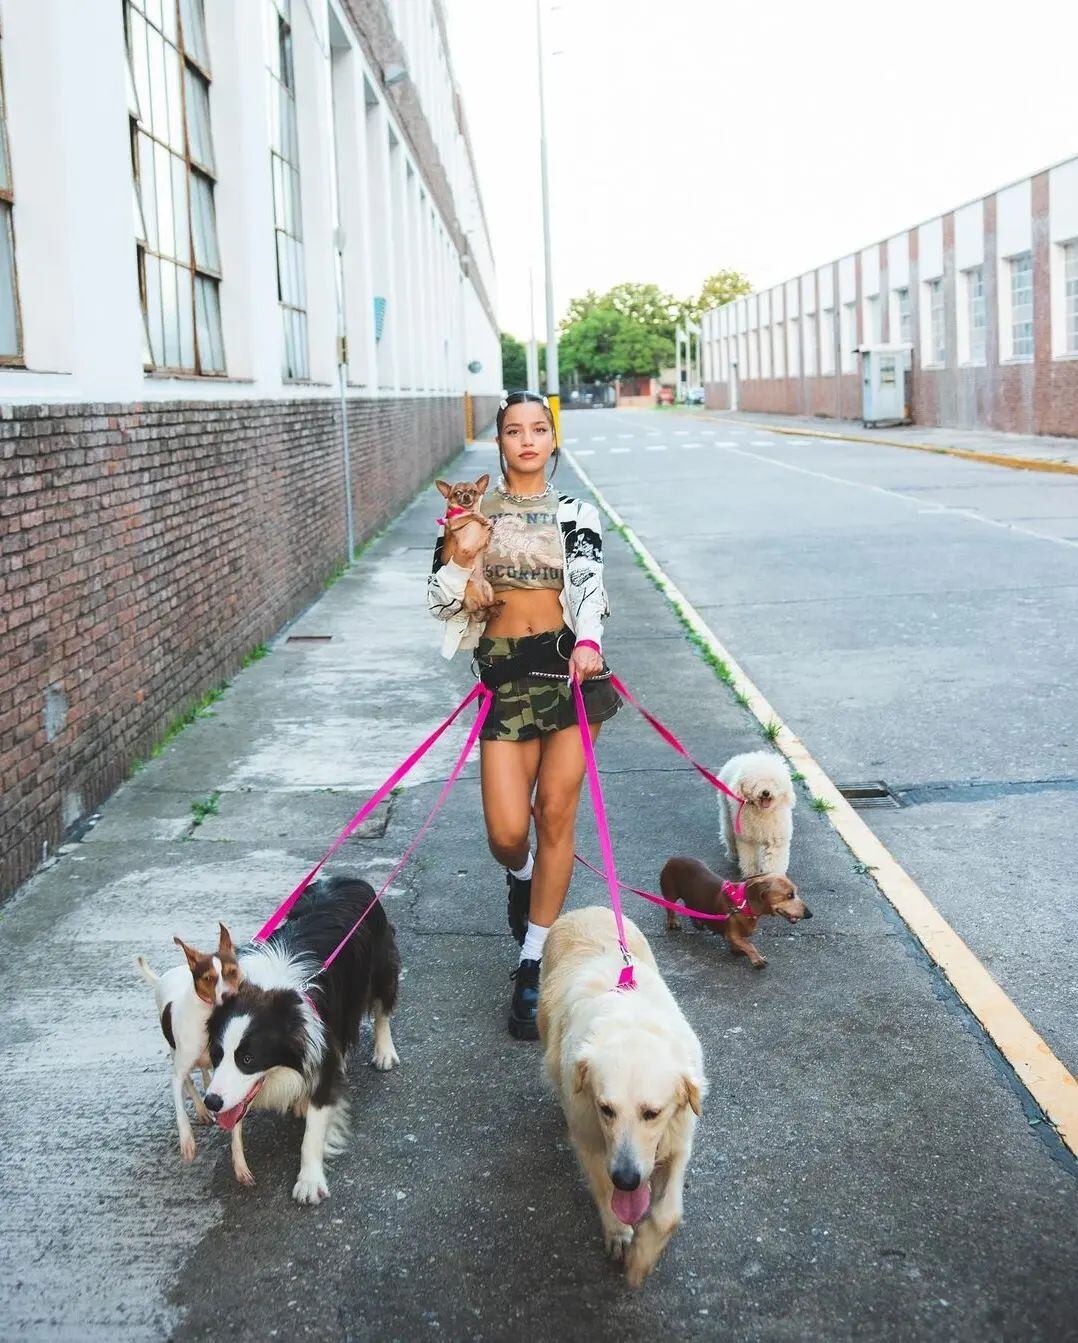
{"points": [[759, 963], [637, 1267], [385, 1059], [243, 1175], [187, 1147], [617, 1242], [310, 1188], [202, 1115]]}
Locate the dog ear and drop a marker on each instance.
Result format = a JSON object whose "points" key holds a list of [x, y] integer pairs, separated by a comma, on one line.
{"points": [[443, 488], [580, 1076], [691, 1094], [225, 945], [192, 955], [482, 483]]}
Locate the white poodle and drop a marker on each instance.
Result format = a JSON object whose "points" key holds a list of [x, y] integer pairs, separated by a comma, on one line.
{"points": [[762, 778]]}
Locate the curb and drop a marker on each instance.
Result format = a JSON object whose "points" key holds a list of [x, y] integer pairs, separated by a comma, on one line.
{"points": [[966, 454], [1044, 1076]]}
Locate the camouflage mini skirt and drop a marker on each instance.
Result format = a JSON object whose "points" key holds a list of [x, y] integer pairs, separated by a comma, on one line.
{"points": [[534, 705]]}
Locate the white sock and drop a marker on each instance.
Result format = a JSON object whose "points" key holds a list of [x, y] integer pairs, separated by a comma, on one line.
{"points": [[525, 873], [534, 938]]}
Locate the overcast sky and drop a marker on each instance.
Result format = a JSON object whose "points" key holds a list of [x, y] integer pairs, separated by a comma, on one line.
{"points": [[687, 136]]}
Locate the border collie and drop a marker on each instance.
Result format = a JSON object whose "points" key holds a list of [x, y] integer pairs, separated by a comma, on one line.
{"points": [[280, 1043]]}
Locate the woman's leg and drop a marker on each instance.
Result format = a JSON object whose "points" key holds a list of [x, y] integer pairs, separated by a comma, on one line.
{"points": [[507, 772], [561, 772]]}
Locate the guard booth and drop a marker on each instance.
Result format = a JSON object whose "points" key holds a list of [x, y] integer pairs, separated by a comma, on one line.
{"points": [[885, 384]]}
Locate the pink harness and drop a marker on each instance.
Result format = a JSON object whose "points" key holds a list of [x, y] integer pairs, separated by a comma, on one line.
{"points": [[733, 890], [451, 513]]}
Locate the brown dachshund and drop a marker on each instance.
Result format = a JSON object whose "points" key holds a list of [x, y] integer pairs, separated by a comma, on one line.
{"points": [[686, 881]]}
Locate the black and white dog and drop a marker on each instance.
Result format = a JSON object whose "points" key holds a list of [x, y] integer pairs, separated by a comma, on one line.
{"points": [[278, 1045]]}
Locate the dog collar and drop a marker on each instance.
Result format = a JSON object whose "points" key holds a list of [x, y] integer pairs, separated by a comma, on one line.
{"points": [[735, 893], [451, 513], [310, 1003]]}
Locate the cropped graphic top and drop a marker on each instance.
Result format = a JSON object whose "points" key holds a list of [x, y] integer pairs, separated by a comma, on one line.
{"points": [[525, 549]]}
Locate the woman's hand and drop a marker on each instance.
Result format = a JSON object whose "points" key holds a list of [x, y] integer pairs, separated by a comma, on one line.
{"points": [[469, 539], [584, 663]]}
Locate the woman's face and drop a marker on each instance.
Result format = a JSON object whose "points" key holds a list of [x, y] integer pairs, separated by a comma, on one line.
{"points": [[527, 439]]}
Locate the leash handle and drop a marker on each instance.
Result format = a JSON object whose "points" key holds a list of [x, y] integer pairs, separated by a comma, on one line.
{"points": [[284, 908], [473, 737], [625, 979], [667, 736]]}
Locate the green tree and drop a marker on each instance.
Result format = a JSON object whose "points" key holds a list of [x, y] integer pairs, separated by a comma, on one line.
{"points": [[720, 288], [514, 362]]}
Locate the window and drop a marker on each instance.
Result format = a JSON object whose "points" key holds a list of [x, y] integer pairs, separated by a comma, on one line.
{"points": [[172, 160], [937, 339], [780, 349], [10, 330], [765, 352], [284, 163], [827, 340], [1022, 306], [808, 335], [1070, 297], [902, 315], [975, 313], [793, 359], [849, 336]]}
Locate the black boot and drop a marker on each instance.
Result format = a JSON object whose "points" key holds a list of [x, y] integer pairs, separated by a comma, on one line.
{"points": [[525, 1005], [520, 898]]}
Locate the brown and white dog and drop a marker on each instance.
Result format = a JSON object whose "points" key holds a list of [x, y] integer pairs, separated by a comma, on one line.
{"points": [[186, 996], [462, 517], [688, 882]]}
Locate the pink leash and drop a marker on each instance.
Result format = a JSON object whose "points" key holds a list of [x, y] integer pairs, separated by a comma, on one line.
{"points": [[625, 979], [671, 740], [282, 911], [733, 890]]}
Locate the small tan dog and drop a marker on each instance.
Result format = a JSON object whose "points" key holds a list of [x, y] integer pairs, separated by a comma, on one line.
{"points": [[462, 517], [691, 883], [630, 1075]]}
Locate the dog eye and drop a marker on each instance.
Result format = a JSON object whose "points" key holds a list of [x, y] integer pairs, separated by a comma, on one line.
{"points": [[245, 1060], [607, 1111], [650, 1114]]}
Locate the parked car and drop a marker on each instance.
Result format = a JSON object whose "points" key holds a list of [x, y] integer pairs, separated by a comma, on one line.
{"points": [[694, 396], [665, 396]]}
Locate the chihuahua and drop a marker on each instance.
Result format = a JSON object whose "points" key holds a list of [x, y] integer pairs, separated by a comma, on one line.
{"points": [[461, 514], [186, 996], [698, 888]]}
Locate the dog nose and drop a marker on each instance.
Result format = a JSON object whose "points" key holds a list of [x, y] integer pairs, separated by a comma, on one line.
{"points": [[213, 1101], [766, 795], [625, 1177], [807, 914]]}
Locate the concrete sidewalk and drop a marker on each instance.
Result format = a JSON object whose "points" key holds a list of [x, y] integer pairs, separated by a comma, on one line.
{"points": [[865, 1167], [980, 444]]}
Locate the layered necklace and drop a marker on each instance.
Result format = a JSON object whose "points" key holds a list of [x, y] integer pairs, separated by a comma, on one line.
{"points": [[503, 490]]}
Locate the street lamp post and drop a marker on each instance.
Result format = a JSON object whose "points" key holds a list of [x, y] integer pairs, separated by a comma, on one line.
{"points": [[552, 383]]}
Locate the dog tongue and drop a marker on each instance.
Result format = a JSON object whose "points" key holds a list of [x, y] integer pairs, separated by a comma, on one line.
{"points": [[228, 1119], [629, 1205]]}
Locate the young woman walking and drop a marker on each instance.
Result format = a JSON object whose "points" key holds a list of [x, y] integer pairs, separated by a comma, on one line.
{"points": [[544, 560]]}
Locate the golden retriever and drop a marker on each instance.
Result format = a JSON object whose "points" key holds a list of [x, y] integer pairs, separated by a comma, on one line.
{"points": [[630, 1075]]}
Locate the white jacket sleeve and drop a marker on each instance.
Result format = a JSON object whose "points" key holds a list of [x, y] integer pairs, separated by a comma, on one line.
{"points": [[584, 574], [445, 586]]}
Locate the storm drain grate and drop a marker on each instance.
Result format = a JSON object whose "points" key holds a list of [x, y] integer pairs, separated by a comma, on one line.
{"points": [[309, 638], [869, 796]]}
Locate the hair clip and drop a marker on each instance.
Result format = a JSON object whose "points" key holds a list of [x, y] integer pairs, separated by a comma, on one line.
{"points": [[503, 404]]}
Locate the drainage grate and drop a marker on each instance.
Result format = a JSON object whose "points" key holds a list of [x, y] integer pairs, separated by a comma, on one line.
{"points": [[309, 638], [869, 796]]}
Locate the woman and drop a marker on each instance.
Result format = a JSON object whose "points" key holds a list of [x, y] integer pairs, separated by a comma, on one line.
{"points": [[544, 560]]}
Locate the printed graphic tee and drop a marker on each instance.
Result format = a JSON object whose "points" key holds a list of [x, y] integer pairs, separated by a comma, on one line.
{"points": [[524, 550]]}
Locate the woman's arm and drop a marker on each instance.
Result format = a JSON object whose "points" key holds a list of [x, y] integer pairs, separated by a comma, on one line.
{"points": [[449, 578]]}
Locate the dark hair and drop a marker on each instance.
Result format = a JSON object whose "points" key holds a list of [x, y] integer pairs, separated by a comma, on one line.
{"points": [[518, 399]]}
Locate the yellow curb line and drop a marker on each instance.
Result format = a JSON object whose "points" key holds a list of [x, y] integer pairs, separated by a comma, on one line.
{"points": [[1040, 1072], [967, 454]]}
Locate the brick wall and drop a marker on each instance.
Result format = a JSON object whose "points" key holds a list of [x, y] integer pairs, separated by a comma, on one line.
{"points": [[145, 549]]}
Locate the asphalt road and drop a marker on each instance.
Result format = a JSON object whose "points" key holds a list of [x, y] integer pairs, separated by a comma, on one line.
{"points": [[914, 619], [865, 1167]]}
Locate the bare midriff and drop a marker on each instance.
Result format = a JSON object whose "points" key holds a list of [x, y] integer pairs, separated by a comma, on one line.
{"points": [[524, 612]]}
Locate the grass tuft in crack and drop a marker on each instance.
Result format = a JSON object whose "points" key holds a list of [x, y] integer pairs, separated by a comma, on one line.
{"points": [[771, 730], [203, 807], [822, 804]]}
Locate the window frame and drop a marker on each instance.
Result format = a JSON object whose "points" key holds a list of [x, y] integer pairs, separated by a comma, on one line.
{"points": [[1070, 298], [937, 307], [1025, 261], [193, 63], [17, 359], [973, 302], [279, 13]]}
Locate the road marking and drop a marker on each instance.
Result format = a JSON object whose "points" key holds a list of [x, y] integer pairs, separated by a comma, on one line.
{"points": [[569, 440], [1042, 1074], [762, 443], [968, 454], [598, 438], [919, 504], [624, 435], [725, 443], [681, 431], [687, 446], [706, 432], [584, 452], [614, 450], [655, 447]]}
